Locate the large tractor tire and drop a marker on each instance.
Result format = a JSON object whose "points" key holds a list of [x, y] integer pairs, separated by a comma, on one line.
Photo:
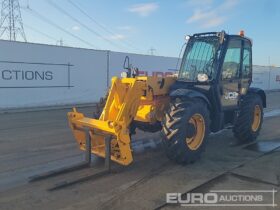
{"points": [[250, 119], [185, 130]]}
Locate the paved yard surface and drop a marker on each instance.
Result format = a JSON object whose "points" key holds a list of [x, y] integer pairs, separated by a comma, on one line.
{"points": [[34, 142]]}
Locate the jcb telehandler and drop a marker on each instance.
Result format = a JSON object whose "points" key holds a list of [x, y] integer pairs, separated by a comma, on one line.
{"points": [[211, 92]]}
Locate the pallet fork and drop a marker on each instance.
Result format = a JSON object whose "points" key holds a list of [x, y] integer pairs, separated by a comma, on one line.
{"points": [[87, 163]]}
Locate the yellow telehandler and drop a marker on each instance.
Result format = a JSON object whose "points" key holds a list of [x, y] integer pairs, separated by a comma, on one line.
{"points": [[211, 91]]}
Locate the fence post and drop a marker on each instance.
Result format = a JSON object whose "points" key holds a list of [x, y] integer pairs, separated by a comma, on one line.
{"points": [[108, 68]]}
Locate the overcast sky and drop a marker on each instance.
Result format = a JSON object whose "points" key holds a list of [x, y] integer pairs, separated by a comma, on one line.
{"points": [[137, 26]]}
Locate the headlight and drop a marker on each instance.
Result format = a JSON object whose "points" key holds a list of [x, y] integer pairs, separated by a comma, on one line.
{"points": [[124, 74], [202, 77]]}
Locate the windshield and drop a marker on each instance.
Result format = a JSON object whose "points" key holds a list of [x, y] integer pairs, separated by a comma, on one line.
{"points": [[199, 58]]}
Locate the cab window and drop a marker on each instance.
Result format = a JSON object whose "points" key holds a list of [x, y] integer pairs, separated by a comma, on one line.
{"points": [[231, 63], [246, 67]]}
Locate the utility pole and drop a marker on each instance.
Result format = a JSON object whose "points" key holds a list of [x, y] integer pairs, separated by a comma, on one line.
{"points": [[152, 50], [11, 26], [60, 42], [27, 4]]}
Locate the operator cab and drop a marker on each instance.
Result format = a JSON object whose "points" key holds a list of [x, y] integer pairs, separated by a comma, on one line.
{"points": [[218, 68], [217, 61], [209, 53]]}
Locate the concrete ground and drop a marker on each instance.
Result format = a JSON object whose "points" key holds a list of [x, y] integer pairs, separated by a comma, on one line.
{"points": [[35, 142]]}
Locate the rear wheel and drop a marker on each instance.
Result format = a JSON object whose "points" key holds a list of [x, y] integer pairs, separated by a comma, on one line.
{"points": [[185, 129], [249, 121]]}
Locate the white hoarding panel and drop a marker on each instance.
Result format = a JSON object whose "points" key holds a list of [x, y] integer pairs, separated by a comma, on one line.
{"points": [[41, 75], [266, 77], [32, 75], [275, 79], [260, 77]]}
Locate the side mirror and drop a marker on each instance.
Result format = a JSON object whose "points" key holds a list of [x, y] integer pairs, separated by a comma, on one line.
{"points": [[126, 64]]}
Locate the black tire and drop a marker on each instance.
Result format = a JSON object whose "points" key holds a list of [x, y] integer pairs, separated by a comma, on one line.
{"points": [[243, 129], [175, 130]]}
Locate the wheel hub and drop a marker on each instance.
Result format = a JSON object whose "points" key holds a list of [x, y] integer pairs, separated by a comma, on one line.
{"points": [[257, 118], [191, 130], [197, 129]]}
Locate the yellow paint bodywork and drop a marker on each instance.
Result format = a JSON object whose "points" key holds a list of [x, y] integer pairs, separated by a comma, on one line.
{"points": [[142, 99]]}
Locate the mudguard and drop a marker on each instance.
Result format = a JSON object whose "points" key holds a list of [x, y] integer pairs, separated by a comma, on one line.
{"points": [[260, 92], [188, 94]]}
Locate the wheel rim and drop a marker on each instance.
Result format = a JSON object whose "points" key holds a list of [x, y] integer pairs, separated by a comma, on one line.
{"points": [[196, 140], [257, 118]]}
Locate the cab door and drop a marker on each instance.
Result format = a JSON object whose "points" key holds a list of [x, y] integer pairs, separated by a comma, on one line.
{"points": [[246, 68], [230, 76]]}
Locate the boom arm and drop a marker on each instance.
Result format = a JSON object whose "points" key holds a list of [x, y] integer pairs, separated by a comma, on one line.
{"points": [[141, 98]]}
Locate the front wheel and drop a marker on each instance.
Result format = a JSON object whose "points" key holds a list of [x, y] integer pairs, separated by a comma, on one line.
{"points": [[185, 130]]}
